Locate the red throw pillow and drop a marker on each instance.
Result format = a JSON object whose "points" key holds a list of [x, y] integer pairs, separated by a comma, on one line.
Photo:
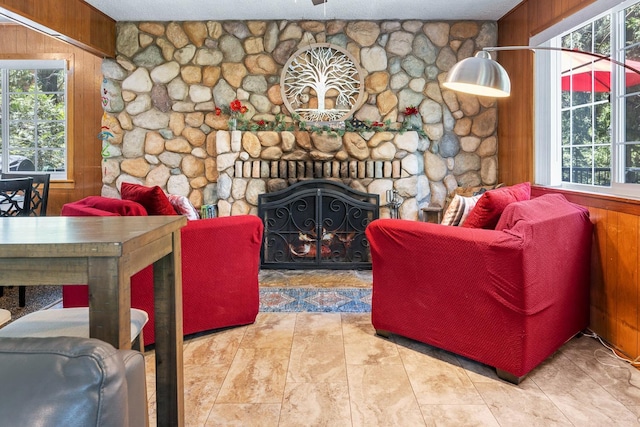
{"points": [[487, 211], [152, 198]]}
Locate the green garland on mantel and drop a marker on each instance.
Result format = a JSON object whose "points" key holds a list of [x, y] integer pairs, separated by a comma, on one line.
{"points": [[350, 125]]}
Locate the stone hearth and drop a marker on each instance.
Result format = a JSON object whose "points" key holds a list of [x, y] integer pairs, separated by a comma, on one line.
{"points": [[316, 278]]}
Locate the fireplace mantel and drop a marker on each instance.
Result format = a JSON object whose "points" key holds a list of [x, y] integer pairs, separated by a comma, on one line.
{"points": [[253, 163]]}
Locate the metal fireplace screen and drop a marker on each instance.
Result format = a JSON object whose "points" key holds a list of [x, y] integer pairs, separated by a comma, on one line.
{"points": [[316, 224]]}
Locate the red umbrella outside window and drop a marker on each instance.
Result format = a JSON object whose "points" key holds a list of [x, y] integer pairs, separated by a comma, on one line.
{"points": [[584, 73]]}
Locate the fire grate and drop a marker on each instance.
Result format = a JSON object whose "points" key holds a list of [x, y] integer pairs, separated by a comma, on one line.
{"points": [[316, 224]]}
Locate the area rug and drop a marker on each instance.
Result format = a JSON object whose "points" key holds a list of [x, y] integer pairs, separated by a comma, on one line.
{"points": [[37, 298], [334, 300]]}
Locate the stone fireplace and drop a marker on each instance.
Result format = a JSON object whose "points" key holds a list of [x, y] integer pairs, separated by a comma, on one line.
{"points": [[161, 92]]}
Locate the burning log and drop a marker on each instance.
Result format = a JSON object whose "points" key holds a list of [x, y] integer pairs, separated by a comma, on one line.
{"points": [[309, 250]]}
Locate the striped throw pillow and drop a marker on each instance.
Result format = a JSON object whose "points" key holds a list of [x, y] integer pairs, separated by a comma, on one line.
{"points": [[459, 209]]}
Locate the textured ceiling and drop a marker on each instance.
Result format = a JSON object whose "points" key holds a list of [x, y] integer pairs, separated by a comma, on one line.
{"points": [[219, 10]]}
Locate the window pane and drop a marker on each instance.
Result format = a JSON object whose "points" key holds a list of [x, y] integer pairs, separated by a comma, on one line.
{"points": [[51, 160], [582, 157], [566, 98], [602, 38], [582, 39], [50, 107], [1, 121], [50, 80], [632, 164], [21, 135], [603, 123], [22, 107], [582, 125], [602, 163], [632, 79], [602, 156], [28, 153], [51, 135], [21, 81], [581, 98], [582, 164], [632, 24], [632, 123], [600, 96], [566, 164], [566, 127]]}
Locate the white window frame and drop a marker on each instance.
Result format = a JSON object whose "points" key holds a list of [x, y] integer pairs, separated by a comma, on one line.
{"points": [[29, 64], [548, 141]]}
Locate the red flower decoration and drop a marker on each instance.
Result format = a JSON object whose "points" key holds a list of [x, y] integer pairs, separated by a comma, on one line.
{"points": [[218, 111], [243, 109], [410, 111], [261, 123], [237, 106]]}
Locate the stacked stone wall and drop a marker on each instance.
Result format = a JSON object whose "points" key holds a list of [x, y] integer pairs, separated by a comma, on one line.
{"points": [[161, 91]]}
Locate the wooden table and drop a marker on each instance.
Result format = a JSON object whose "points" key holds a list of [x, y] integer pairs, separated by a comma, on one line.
{"points": [[104, 252]]}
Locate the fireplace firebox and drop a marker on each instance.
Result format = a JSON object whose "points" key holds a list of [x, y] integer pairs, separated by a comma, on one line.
{"points": [[316, 224]]}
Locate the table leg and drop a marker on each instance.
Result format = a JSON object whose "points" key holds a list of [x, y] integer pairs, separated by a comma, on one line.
{"points": [[167, 273], [109, 302]]}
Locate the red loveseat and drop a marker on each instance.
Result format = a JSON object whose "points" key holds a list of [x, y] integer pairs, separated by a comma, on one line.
{"points": [[220, 263], [507, 297]]}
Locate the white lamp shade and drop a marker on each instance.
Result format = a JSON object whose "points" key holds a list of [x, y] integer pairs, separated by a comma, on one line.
{"points": [[479, 75]]}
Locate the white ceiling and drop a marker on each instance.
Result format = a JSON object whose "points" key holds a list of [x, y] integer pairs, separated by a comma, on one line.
{"points": [[220, 10]]}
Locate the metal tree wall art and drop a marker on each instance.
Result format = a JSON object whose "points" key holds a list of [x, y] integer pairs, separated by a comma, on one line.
{"points": [[322, 83]]}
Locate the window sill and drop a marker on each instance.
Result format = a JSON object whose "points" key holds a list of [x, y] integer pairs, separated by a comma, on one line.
{"points": [[591, 199]]}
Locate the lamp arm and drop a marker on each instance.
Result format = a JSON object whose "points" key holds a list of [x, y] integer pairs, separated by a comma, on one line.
{"points": [[561, 49]]}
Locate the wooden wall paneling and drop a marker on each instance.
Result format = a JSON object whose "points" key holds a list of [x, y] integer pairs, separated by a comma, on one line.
{"points": [[627, 283], [89, 140], [78, 22], [610, 274], [10, 38], [102, 32], [515, 114], [545, 13], [598, 315], [22, 41], [541, 11]]}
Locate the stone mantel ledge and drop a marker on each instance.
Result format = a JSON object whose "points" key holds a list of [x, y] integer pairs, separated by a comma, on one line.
{"points": [[251, 163]]}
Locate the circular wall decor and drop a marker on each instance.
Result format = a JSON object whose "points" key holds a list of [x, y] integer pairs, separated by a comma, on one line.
{"points": [[322, 83]]}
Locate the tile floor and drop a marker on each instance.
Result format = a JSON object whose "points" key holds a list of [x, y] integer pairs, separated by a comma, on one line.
{"points": [[326, 369]]}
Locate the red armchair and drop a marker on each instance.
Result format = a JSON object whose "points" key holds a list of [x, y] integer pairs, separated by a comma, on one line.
{"points": [[220, 263], [507, 297]]}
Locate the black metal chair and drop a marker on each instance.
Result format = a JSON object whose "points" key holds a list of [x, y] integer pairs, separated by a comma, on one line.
{"points": [[15, 196], [39, 190], [16, 200]]}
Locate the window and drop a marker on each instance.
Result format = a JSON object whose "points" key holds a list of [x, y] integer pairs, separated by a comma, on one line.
{"points": [[33, 116], [585, 106], [592, 105]]}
